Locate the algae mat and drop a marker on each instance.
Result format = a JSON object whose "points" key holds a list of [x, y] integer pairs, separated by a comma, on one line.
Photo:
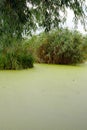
{"points": [[47, 97]]}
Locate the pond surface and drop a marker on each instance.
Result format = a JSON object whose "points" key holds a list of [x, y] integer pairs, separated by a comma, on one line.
{"points": [[47, 97]]}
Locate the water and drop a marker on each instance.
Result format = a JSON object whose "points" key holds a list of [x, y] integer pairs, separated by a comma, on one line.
{"points": [[47, 97]]}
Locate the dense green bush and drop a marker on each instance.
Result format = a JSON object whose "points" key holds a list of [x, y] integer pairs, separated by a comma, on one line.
{"points": [[25, 58], [33, 43], [84, 48], [61, 47], [56, 47], [16, 56]]}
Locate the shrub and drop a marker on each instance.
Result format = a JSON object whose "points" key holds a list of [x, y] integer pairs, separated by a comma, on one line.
{"points": [[84, 47], [32, 44], [15, 56], [25, 59], [61, 47]]}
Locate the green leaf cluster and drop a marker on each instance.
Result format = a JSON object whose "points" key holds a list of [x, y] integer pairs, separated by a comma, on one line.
{"points": [[18, 17]]}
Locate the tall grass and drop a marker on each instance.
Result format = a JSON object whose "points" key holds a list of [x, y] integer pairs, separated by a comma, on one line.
{"points": [[15, 56], [60, 47], [56, 47]]}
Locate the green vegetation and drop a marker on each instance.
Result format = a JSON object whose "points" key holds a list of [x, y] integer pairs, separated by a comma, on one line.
{"points": [[59, 47], [15, 56], [23, 16], [19, 18]]}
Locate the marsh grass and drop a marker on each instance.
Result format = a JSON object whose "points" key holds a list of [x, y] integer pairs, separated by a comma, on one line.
{"points": [[15, 56], [62, 47]]}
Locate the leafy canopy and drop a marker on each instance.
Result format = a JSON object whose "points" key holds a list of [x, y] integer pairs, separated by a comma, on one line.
{"points": [[23, 16], [50, 13]]}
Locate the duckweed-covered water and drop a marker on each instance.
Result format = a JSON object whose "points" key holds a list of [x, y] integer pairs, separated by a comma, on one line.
{"points": [[47, 97]]}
